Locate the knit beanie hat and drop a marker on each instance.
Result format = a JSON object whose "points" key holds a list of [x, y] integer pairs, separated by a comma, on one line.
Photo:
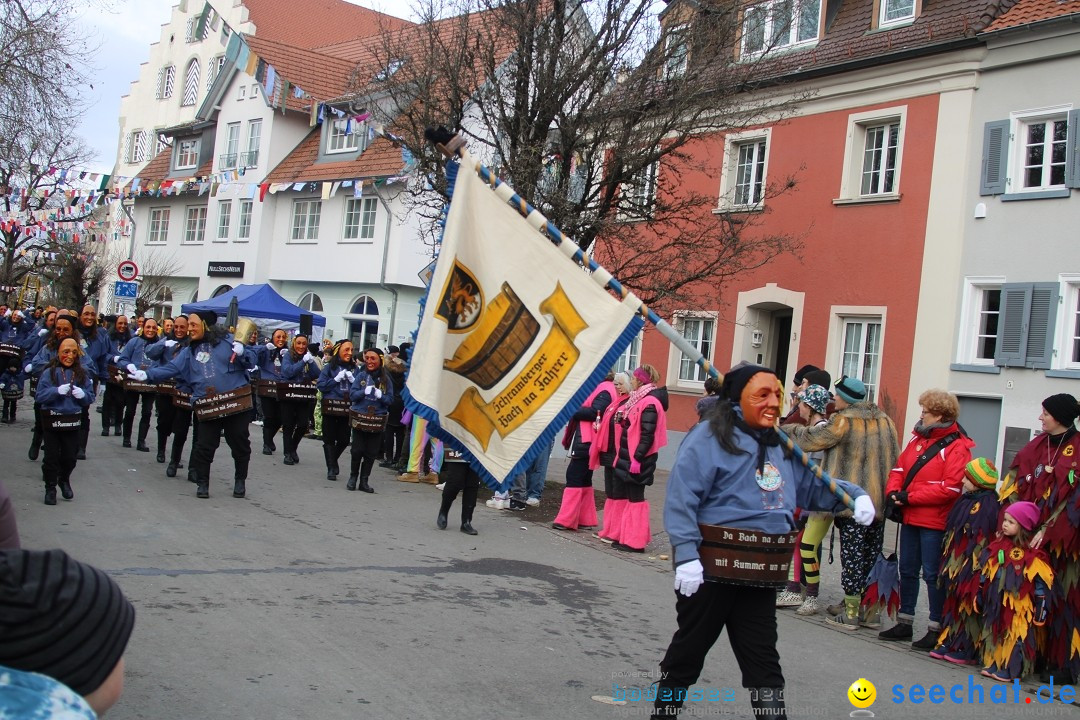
{"points": [[737, 377], [816, 397], [982, 473], [1063, 408], [1025, 513], [61, 618], [802, 372], [851, 389], [819, 377]]}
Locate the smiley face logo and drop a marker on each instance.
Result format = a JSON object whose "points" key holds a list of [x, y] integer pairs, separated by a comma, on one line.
{"points": [[862, 693]]}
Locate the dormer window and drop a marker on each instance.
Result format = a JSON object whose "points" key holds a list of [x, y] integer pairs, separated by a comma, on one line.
{"points": [[389, 71], [777, 24], [894, 12], [187, 154], [343, 136], [676, 50]]}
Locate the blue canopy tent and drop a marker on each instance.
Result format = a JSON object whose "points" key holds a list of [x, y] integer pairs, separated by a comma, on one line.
{"points": [[263, 305]]}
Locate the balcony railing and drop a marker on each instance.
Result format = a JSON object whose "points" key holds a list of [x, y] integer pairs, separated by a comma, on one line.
{"points": [[227, 162], [249, 159]]}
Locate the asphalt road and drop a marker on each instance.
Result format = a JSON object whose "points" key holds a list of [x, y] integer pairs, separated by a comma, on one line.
{"points": [[307, 601]]}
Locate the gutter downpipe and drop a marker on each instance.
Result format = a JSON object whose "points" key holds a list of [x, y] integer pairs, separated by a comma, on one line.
{"points": [[382, 274]]}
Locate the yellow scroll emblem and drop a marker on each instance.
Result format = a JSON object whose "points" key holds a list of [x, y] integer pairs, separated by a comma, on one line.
{"points": [[534, 385]]}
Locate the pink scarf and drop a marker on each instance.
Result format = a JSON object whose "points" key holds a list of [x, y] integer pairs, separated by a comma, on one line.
{"points": [[636, 396]]}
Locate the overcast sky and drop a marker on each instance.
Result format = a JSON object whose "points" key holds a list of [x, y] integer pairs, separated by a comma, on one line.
{"points": [[125, 36]]}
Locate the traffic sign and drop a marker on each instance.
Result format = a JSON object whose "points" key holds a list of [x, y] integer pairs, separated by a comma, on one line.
{"points": [[126, 290], [127, 270]]}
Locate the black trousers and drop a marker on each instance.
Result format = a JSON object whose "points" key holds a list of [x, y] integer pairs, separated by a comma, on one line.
{"points": [[295, 421], [112, 407], [748, 613], [614, 488], [9, 408], [166, 415], [459, 478], [131, 402], [335, 434], [271, 419], [393, 440], [365, 448], [182, 422], [208, 437], [578, 473], [61, 451]]}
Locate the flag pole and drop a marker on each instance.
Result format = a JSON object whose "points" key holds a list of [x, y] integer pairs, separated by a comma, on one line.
{"points": [[453, 146]]}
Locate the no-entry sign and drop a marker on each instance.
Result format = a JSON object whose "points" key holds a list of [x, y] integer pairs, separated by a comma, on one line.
{"points": [[127, 270]]}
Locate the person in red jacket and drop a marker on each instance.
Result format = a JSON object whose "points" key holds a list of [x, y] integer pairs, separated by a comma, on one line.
{"points": [[937, 453]]}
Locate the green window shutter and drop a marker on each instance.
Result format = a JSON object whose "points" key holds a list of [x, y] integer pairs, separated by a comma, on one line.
{"points": [[1015, 306], [995, 158], [1072, 151], [1040, 332]]}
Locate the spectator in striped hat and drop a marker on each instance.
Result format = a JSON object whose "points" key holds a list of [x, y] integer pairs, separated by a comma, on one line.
{"points": [[66, 620]]}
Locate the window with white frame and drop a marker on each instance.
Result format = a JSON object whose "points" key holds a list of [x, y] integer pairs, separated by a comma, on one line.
{"points": [[191, 83], [980, 321], [306, 215], [1069, 353], [630, 358], [161, 144], [310, 302], [139, 146], [743, 178], [213, 67], [860, 351], [700, 332], [676, 51], [195, 224], [775, 24], [187, 154], [360, 218], [343, 136], [243, 222], [159, 226], [227, 161], [251, 157], [873, 156], [224, 219], [1042, 152], [241, 92], [636, 198], [892, 12], [166, 82]]}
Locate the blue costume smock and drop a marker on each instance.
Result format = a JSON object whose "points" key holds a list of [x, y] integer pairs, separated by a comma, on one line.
{"points": [[362, 403], [50, 399], [331, 388], [298, 371], [206, 368]]}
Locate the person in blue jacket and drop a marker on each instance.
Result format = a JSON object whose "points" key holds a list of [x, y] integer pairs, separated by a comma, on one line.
{"points": [[372, 393], [33, 342], [731, 471], [63, 328], [12, 381], [114, 399], [95, 345], [269, 359], [15, 328], [171, 420], [135, 358], [212, 363], [335, 382], [64, 388], [297, 366]]}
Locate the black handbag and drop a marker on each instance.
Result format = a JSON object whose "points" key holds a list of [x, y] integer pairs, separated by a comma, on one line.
{"points": [[895, 512]]}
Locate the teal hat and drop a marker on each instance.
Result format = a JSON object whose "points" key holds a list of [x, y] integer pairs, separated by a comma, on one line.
{"points": [[851, 389]]}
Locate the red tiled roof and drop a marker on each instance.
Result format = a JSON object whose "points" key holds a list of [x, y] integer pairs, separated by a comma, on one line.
{"points": [[1026, 12], [320, 76], [311, 23], [159, 168], [380, 159]]}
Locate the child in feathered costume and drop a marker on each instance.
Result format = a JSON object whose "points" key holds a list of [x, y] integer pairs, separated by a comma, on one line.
{"points": [[1016, 582], [970, 526]]}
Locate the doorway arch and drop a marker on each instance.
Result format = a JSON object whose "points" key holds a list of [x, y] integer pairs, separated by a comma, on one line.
{"points": [[364, 323]]}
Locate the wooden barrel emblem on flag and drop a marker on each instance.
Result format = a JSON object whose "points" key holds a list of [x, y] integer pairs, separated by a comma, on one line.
{"points": [[501, 336], [746, 557]]}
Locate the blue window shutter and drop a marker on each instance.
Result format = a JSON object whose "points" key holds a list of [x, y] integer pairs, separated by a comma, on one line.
{"points": [[995, 157], [1072, 151], [1012, 342], [1040, 333]]}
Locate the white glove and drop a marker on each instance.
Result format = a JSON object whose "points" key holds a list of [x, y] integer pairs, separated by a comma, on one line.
{"points": [[284, 352], [64, 389], [864, 510], [131, 367], [170, 343], [116, 359], [688, 577], [77, 392], [270, 346], [348, 374], [368, 389], [139, 375], [377, 393], [7, 313], [340, 376], [43, 332], [238, 348], [308, 357], [28, 368]]}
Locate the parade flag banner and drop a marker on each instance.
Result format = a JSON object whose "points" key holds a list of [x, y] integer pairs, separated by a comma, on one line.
{"points": [[513, 336]]}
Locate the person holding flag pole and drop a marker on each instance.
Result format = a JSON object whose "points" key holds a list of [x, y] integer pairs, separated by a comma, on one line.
{"points": [[738, 469]]}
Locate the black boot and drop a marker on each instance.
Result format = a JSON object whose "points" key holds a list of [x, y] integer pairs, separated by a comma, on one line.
{"points": [[351, 485], [239, 488], [466, 517], [35, 445], [81, 455], [440, 521], [287, 458], [170, 471], [363, 486], [50, 494], [141, 446], [467, 528], [105, 431], [65, 489], [203, 489], [127, 442], [331, 466], [267, 450], [669, 701], [768, 703]]}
